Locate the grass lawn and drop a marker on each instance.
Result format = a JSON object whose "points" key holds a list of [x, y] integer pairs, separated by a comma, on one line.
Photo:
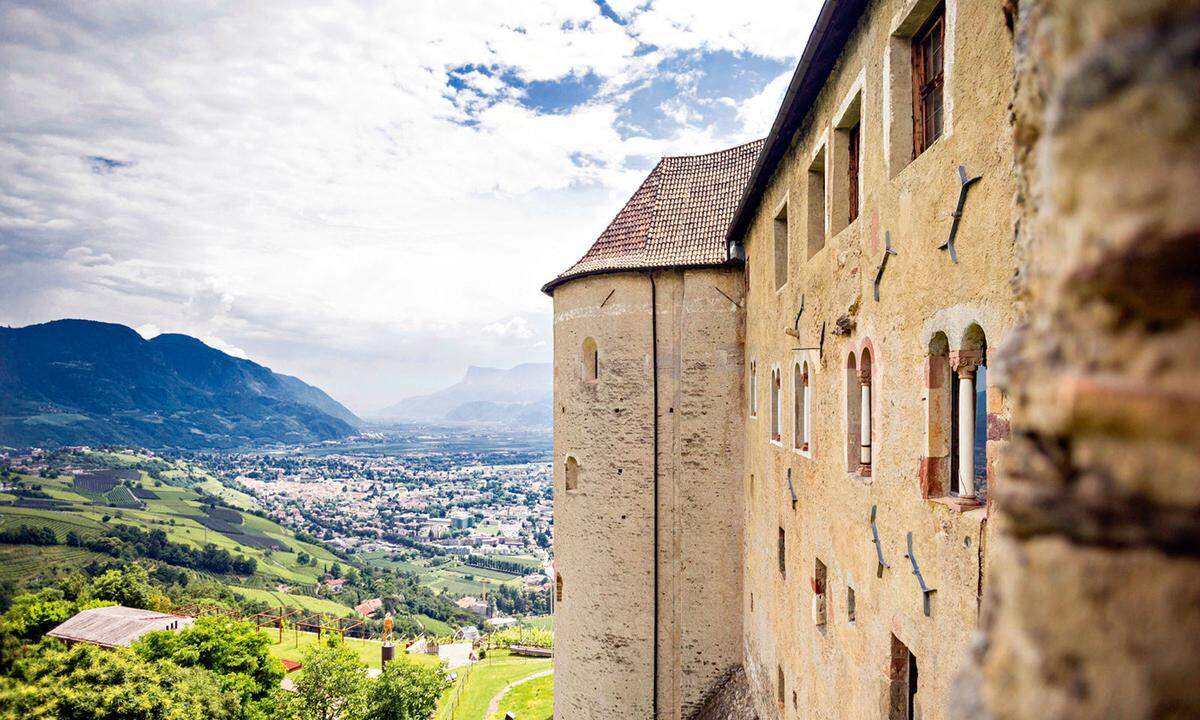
{"points": [[437, 627], [294, 644], [471, 694], [542, 622], [533, 700]]}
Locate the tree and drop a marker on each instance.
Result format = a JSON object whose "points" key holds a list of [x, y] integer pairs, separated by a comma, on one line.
{"points": [[87, 682], [235, 650], [404, 691], [332, 685], [129, 586]]}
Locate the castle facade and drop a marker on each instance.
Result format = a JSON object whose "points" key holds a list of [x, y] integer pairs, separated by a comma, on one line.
{"points": [[781, 413]]}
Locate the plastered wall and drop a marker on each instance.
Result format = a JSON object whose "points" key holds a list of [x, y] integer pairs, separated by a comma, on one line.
{"points": [[604, 529], [842, 669]]}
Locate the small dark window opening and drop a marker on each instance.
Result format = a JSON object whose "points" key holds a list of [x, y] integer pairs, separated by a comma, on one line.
{"points": [[902, 682], [852, 171], [928, 64], [557, 587], [782, 553], [849, 603], [781, 686]]}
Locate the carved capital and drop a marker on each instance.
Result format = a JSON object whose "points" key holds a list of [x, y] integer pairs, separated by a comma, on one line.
{"points": [[966, 362], [864, 377]]}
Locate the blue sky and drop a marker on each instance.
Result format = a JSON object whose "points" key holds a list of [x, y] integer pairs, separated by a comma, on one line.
{"points": [[366, 195]]}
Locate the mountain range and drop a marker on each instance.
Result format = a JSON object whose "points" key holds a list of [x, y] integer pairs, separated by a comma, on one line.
{"points": [[83, 382], [518, 397]]}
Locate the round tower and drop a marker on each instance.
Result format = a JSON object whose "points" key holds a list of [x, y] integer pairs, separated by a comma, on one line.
{"points": [[648, 407]]}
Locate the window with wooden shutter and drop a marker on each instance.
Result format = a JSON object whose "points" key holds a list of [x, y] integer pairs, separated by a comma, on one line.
{"points": [[928, 63]]}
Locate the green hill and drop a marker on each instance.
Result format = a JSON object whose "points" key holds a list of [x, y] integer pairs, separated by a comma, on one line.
{"points": [[79, 504]]}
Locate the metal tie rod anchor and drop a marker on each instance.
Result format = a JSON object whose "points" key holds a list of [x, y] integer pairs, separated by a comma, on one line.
{"points": [[883, 564], [965, 184], [925, 590], [887, 252]]}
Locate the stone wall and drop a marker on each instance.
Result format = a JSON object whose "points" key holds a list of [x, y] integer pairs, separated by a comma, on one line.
{"points": [[1093, 607], [604, 529], [844, 668]]}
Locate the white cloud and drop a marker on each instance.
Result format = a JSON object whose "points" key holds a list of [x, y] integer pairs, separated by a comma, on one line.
{"points": [[300, 180]]}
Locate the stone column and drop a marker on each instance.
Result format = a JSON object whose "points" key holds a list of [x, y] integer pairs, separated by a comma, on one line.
{"points": [[864, 457], [965, 363]]}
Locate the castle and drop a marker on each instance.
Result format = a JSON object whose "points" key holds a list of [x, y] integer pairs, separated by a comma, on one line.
{"points": [[836, 410]]}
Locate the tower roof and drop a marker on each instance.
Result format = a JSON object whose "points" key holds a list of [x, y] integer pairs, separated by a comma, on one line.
{"points": [[678, 217]]}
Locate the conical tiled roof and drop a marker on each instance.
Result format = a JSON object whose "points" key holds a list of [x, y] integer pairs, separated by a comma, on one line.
{"points": [[677, 218]]}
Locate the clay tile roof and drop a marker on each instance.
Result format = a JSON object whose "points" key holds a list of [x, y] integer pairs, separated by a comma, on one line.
{"points": [[677, 218]]}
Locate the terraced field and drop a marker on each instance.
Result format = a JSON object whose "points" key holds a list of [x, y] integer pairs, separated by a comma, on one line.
{"points": [[18, 562], [174, 509], [276, 598]]}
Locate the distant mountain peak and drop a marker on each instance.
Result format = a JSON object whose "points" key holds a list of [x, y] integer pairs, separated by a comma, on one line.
{"points": [[518, 396], [88, 382]]}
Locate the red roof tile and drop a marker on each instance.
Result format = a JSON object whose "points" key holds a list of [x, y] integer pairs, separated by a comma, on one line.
{"points": [[677, 218]]}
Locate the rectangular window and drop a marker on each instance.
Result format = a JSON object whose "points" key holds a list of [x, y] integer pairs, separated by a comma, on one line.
{"points": [[928, 63], [782, 553], [850, 609], [781, 247], [852, 172], [816, 204]]}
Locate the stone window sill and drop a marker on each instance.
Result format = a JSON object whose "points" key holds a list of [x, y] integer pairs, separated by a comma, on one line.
{"points": [[958, 504]]}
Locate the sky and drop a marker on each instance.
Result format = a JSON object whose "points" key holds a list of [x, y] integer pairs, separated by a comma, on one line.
{"points": [[367, 195]]}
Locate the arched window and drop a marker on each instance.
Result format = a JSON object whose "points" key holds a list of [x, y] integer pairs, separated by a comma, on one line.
{"points": [[776, 410], [853, 407], [557, 587], [864, 414], [968, 437], [801, 407], [591, 360], [939, 424], [572, 473]]}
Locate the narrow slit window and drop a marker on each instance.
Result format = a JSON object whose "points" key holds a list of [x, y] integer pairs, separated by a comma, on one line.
{"points": [[850, 604], [571, 472], [782, 553], [852, 164], [753, 390], [928, 64], [782, 689], [819, 586], [558, 587], [591, 360], [775, 402]]}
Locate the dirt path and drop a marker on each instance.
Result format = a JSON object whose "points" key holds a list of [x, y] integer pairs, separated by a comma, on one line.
{"points": [[494, 705]]}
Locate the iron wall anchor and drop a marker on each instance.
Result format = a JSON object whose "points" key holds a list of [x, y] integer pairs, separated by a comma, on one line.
{"points": [[887, 251], [965, 184], [883, 564], [926, 591]]}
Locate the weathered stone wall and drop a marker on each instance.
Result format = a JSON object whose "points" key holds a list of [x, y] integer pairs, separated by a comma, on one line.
{"points": [[604, 529], [843, 669], [1093, 603]]}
